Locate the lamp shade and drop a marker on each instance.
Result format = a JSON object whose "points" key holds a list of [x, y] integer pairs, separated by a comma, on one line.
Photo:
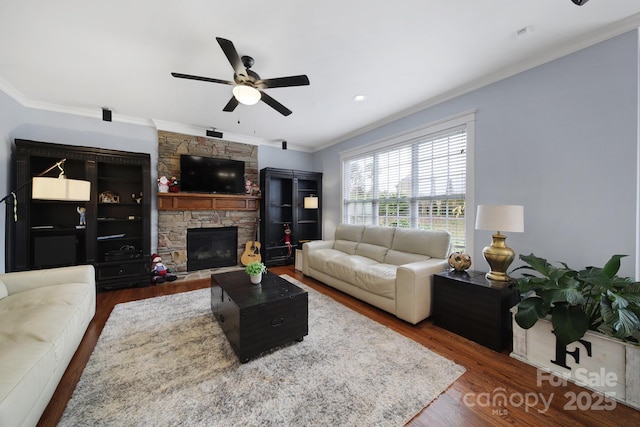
{"points": [[246, 95], [44, 188], [311, 202], [500, 218]]}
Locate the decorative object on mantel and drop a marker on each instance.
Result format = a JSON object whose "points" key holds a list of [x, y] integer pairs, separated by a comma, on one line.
{"points": [[174, 187], [595, 317], [459, 261], [499, 218], [163, 184], [247, 185], [255, 270]]}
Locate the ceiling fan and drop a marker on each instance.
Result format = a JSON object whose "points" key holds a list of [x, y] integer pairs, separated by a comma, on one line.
{"points": [[248, 86]]}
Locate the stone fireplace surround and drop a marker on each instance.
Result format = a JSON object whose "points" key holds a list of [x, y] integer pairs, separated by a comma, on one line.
{"points": [[173, 224]]}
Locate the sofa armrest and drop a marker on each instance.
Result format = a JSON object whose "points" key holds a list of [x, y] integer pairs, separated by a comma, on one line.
{"points": [[414, 286], [20, 281], [309, 247]]}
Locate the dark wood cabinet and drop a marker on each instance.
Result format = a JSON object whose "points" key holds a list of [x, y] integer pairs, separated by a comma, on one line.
{"points": [[469, 305], [281, 206], [116, 238]]}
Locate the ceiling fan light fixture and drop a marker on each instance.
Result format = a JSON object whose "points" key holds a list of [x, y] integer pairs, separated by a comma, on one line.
{"points": [[246, 95]]}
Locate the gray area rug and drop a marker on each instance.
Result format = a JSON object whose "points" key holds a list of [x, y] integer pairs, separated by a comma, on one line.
{"points": [[164, 362]]}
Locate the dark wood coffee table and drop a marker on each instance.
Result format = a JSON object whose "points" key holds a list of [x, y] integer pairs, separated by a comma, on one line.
{"points": [[257, 318]]}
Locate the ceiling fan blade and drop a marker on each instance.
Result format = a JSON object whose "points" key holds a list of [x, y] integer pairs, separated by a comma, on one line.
{"points": [[301, 80], [232, 55], [275, 104], [204, 79], [231, 105]]}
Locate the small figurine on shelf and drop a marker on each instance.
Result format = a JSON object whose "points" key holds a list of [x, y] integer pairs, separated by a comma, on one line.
{"points": [[136, 198], [159, 272], [82, 211], [163, 184], [287, 239], [173, 185]]}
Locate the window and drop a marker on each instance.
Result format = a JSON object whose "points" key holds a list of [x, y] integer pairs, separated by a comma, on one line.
{"points": [[418, 180]]}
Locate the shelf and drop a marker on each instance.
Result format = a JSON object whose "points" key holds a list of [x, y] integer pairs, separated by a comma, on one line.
{"points": [[117, 179], [198, 201], [307, 221], [57, 230], [293, 245]]}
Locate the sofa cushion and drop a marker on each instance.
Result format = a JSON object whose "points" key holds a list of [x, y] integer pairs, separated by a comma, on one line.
{"points": [[399, 258], [381, 236], [320, 258], [3, 290], [375, 252], [379, 279], [433, 243], [346, 246], [345, 267], [349, 232]]}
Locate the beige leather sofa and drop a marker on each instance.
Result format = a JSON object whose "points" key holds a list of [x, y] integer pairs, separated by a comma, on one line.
{"points": [[43, 317], [390, 268]]}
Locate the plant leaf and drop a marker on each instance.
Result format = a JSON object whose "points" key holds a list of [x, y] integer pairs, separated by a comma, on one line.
{"points": [[538, 264], [569, 323], [529, 311], [612, 266]]}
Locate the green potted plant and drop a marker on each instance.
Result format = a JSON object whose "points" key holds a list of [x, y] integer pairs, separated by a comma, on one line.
{"points": [[576, 301], [255, 270]]}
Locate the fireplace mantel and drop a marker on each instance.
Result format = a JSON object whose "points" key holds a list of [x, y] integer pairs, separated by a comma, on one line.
{"points": [[211, 202]]}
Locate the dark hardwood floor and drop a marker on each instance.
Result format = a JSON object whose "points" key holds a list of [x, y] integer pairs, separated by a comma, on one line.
{"points": [[473, 400]]}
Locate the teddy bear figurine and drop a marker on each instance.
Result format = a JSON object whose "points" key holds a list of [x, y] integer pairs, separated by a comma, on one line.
{"points": [[159, 272]]}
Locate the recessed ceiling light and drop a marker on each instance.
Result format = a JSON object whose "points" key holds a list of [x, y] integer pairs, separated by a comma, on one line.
{"points": [[359, 98]]}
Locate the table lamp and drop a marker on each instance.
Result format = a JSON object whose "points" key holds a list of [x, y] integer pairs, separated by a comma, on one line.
{"points": [[500, 218]]}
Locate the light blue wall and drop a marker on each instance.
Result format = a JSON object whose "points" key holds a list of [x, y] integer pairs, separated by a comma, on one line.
{"points": [[560, 139], [10, 117], [275, 157]]}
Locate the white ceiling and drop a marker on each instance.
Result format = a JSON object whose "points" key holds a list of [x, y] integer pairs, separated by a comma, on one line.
{"points": [[79, 56]]}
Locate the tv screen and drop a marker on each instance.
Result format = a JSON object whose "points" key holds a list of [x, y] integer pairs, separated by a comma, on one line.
{"points": [[211, 175]]}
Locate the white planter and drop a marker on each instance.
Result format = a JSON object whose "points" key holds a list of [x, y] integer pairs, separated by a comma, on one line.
{"points": [[256, 279], [597, 362]]}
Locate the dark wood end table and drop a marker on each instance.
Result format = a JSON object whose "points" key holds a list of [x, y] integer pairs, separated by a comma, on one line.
{"points": [[469, 305], [257, 318]]}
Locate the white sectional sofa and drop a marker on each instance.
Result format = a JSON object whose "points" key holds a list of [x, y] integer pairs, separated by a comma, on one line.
{"points": [[43, 317], [390, 268]]}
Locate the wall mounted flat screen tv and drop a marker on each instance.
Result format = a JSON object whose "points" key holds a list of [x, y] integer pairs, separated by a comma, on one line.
{"points": [[211, 175]]}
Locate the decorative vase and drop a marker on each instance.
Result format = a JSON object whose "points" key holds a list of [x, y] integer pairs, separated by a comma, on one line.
{"points": [[459, 261], [256, 279]]}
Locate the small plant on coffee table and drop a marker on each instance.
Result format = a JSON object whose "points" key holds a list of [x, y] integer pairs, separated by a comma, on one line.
{"points": [[256, 267]]}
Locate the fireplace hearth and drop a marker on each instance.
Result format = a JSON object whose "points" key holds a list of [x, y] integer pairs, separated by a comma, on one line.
{"points": [[212, 248]]}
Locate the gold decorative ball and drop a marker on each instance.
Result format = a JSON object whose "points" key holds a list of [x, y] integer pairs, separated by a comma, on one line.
{"points": [[459, 261]]}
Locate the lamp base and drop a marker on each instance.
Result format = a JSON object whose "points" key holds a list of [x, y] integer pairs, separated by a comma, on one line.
{"points": [[499, 257]]}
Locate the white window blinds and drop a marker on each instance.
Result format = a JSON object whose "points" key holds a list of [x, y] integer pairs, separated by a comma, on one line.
{"points": [[418, 183]]}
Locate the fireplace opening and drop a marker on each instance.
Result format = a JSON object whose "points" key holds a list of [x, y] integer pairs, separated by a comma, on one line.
{"points": [[212, 248]]}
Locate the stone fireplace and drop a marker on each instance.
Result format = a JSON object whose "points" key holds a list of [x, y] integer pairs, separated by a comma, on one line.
{"points": [[180, 212]]}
